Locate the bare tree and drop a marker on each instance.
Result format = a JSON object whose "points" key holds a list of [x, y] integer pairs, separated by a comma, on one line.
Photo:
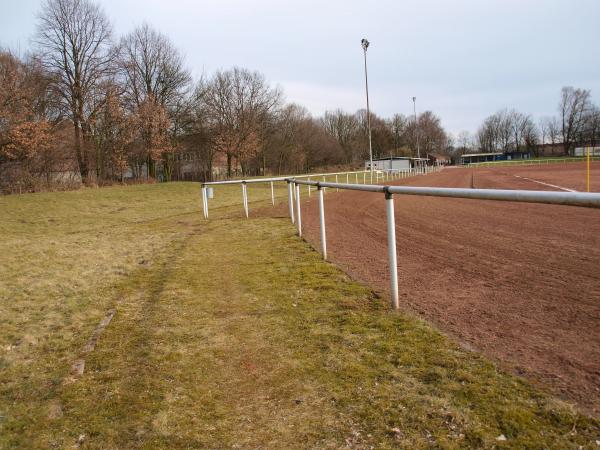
{"points": [[284, 146], [238, 104], [152, 70], [591, 129], [151, 66], [529, 134], [525, 132], [398, 124], [573, 108], [464, 141], [431, 134], [549, 131], [345, 128], [382, 139], [113, 132], [506, 131], [544, 129], [73, 37]]}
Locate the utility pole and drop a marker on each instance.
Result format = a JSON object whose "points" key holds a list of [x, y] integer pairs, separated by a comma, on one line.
{"points": [[416, 126]]}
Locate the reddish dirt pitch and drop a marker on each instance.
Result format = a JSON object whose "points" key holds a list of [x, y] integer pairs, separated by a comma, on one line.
{"points": [[519, 282], [569, 176]]}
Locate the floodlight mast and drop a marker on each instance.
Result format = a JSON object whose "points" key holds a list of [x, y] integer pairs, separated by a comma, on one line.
{"points": [[365, 45]]}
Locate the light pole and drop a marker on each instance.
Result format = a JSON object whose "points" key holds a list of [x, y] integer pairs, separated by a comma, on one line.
{"points": [[416, 126], [365, 45]]}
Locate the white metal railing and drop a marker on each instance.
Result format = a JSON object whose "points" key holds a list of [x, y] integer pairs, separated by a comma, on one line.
{"points": [[526, 162], [558, 198], [375, 176]]}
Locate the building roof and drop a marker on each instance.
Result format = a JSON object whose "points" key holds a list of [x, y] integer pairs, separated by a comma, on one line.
{"points": [[396, 157], [438, 156]]}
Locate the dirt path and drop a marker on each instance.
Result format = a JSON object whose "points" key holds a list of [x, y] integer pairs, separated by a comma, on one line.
{"points": [[520, 282]]}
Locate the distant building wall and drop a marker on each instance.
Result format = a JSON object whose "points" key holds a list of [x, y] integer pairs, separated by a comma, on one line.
{"points": [[389, 164], [583, 151]]}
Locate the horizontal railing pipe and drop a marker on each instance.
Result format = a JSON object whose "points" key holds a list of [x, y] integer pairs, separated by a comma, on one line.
{"points": [[558, 198], [272, 179], [356, 187], [549, 197]]}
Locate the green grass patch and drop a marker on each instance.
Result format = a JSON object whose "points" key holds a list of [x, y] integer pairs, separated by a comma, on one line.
{"points": [[229, 333]]}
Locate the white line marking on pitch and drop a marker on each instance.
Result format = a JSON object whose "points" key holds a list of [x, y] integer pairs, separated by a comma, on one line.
{"points": [[546, 184]]}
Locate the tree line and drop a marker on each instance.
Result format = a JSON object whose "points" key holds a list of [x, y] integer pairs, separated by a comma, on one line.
{"points": [[577, 124], [88, 104]]}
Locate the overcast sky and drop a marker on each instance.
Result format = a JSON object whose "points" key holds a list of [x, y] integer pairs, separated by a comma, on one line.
{"points": [[462, 59]]}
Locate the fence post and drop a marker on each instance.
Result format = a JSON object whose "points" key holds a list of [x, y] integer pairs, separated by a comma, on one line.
{"points": [[322, 223], [272, 194], [347, 175], [588, 169], [364, 177], [336, 180], [245, 197], [204, 202], [356, 174], [298, 211], [309, 187], [391, 231], [291, 199]]}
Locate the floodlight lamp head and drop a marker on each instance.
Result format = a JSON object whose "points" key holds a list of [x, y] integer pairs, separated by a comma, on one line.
{"points": [[364, 43]]}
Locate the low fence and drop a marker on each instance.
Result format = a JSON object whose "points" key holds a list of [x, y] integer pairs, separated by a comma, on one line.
{"points": [[582, 199], [528, 162], [357, 176]]}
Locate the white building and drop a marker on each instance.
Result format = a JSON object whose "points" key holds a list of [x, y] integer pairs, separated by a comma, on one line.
{"points": [[583, 151], [395, 163]]}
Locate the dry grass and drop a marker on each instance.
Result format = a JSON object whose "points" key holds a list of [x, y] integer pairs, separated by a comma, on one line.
{"points": [[230, 333]]}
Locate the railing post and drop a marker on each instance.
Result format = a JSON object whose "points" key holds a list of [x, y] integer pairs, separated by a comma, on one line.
{"points": [[364, 177], [356, 177], [298, 211], [322, 223], [391, 231], [336, 180], [204, 202], [291, 199], [347, 175], [245, 197], [272, 194], [309, 187], [588, 170]]}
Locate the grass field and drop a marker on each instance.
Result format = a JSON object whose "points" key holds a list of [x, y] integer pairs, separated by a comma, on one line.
{"points": [[230, 333]]}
